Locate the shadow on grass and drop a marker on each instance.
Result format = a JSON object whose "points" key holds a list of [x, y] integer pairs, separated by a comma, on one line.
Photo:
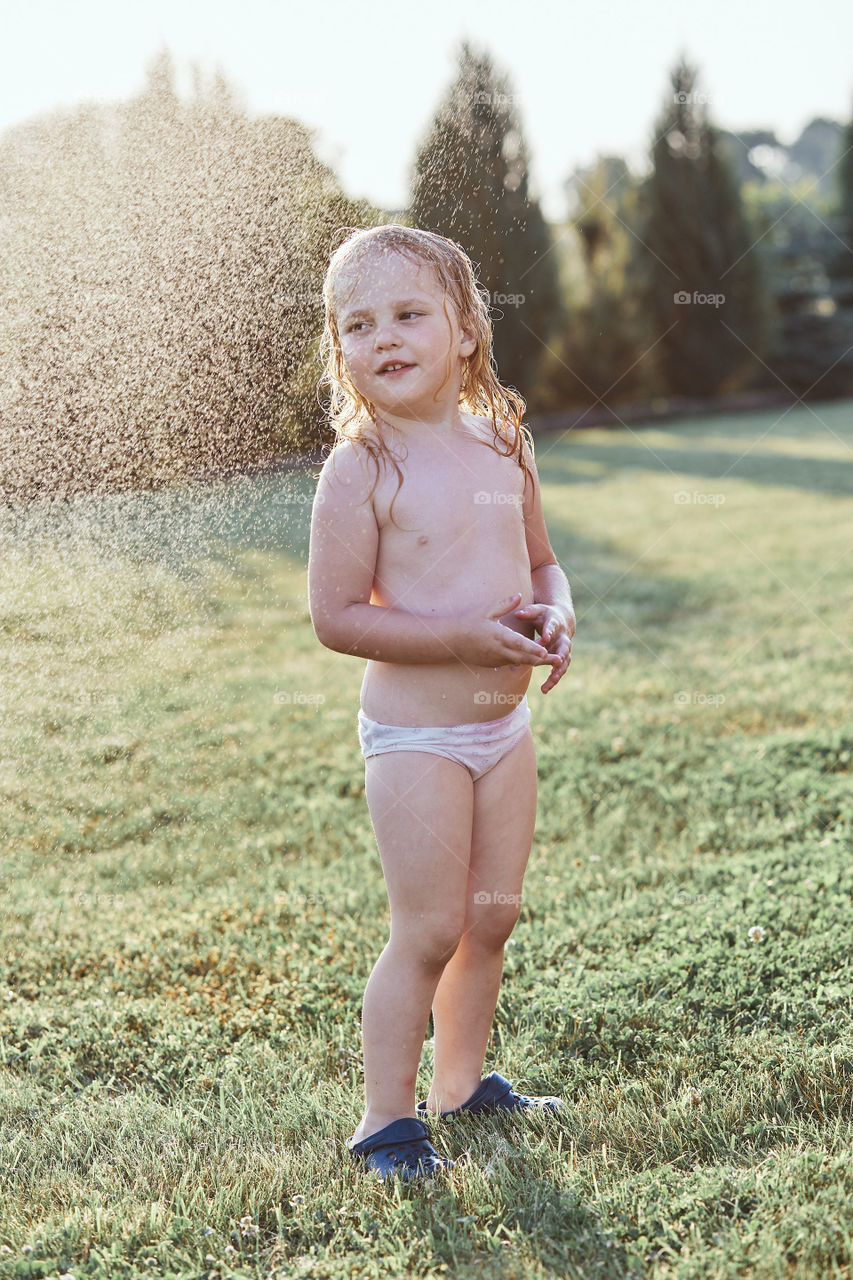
{"points": [[636, 449], [820, 475]]}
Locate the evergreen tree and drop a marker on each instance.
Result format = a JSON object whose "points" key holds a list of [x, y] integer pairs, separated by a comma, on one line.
{"points": [[599, 353], [705, 280], [813, 323], [470, 183], [836, 376], [845, 192]]}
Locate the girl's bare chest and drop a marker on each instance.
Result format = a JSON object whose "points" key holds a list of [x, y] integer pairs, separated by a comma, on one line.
{"points": [[447, 495]]}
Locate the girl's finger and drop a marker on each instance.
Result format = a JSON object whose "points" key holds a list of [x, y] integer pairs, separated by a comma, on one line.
{"points": [[535, 655]]}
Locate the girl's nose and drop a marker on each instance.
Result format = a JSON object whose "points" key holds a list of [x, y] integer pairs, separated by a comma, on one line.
{"points": [[384, 335], [385, 331]]}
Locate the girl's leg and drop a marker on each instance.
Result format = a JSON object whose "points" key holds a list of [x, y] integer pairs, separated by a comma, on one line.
{"points": [[421, 807], [464, 1003]]}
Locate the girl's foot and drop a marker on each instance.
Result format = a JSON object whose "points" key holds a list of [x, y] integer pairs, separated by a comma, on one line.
{"points": [[372, 1122], [495, 1093], [401, 1148], [441, 1100]]}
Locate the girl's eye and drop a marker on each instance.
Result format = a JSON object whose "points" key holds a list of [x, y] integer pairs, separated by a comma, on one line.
{"points": [[358, 323]]}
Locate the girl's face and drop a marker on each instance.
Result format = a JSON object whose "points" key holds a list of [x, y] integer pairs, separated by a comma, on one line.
{"points": [[392, 313]]}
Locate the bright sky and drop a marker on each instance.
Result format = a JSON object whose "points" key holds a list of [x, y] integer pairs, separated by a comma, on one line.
{"points": [[587, 77]]}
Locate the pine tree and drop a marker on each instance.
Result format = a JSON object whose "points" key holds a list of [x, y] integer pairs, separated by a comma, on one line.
{"points": [[845, 195], [836, 375], [470, 183], [599, 353], [705, 277]]}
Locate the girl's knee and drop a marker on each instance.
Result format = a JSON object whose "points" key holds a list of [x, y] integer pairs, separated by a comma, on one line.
{"points": [[495, 921], [431, 939]]}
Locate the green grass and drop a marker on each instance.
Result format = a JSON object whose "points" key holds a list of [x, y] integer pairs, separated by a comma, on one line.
{"points": [[194, 901]]}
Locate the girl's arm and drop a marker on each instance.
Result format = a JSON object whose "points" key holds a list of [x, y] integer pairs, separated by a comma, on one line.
{"points": [[551, 587], [341, 567], [550, 584], [552, 611]]}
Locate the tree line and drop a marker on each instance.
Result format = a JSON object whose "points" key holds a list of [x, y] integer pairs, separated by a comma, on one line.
{"points": [[679, 283], [161, 263]]}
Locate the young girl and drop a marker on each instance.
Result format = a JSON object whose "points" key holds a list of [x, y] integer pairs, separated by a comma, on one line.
{"points": [[438, 575]]}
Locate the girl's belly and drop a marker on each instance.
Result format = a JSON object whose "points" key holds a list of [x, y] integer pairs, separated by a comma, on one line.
{"points": [[433, 694], [450, 693]]}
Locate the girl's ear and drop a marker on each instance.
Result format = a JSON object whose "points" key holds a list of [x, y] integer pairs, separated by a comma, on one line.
{"points": [[468, 343]]}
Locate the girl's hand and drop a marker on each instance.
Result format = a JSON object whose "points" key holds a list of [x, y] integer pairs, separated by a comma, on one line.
{"points": [[556, 628], [486, 642]]}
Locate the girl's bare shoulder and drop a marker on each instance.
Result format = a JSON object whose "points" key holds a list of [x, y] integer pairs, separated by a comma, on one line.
{"points": [[485, 431], [480, 426], [349, 456]]}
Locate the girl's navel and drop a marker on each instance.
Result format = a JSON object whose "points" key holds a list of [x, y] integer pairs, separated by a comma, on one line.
{"points": [[422, 539]]}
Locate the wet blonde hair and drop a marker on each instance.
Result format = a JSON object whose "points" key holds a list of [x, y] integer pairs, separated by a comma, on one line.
{"points": [[480, 392]]}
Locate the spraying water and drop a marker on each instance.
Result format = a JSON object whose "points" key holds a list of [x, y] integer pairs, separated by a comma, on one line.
{"points": [[161, 274], [161, 264]]}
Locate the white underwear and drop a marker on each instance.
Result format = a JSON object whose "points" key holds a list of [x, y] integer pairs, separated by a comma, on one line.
{"points": [[478, 747]]}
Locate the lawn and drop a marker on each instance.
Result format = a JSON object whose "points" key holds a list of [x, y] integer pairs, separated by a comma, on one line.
{"points": [[194, 900]]}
